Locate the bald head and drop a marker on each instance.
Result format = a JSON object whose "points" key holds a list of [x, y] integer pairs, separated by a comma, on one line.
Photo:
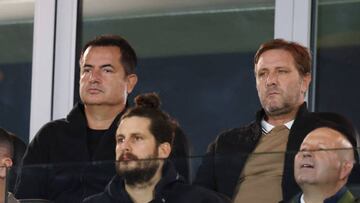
{"points": [[329, 139], [324, 162]]}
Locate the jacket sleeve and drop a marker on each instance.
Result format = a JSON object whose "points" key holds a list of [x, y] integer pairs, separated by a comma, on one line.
{"points": [[32, 180], [205, 175]]}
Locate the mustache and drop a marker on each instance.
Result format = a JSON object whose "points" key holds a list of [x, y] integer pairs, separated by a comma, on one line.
{"points": [[272, 89], [127, 157]]}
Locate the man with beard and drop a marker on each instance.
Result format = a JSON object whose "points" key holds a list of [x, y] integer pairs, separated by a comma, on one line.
{"points": [[236, 163], [324, 163], [143, 143], [70, 145]]}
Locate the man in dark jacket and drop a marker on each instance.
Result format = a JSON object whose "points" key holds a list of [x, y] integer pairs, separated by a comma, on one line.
{"points": [[143, 143], [81, 146], [244, 161], [232, 166]]}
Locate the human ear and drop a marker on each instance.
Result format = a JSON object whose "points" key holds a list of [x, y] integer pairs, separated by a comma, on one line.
{"points": [[305, 82], [131, 82], [164, 150], [346, 169]]}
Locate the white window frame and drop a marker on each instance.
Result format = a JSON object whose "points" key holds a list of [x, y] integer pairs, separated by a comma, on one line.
{"points": [[293, 22], [42, 64], [53, 61], [52, 95]]}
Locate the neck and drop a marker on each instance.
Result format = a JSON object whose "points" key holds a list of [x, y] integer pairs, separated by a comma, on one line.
{"points": [[145, 192], [317, 193], [281, 119], [101, 117], [2, 190]]}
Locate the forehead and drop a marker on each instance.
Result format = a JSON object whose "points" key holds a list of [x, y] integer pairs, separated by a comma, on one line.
{"points": [[274, 58], [324, 135], [102, 52], [134, 124]]}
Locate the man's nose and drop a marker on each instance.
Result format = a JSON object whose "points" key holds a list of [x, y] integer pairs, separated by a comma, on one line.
{"points": [[125, 146], [306, 154], [95, 75], [272, 78]]}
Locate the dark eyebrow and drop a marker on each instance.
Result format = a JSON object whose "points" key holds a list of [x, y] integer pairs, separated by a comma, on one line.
{"points": [[281, 67], [136, 134], [102, 66], [106, 65], [88, 65]]}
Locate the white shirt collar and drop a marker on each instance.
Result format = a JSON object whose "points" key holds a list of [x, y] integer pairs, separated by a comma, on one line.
{"points": [[267, 127], [302, 198]]}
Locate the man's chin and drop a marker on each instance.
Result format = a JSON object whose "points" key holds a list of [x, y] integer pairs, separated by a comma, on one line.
{"points": [[93, 102], [138, 175], [276, 109], [305, 179]]}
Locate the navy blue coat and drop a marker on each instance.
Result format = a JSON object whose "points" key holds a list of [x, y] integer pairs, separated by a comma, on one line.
{"points": [[171, 188]]}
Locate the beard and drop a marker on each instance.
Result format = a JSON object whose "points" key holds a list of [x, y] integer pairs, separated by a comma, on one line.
{"points": [[285, 104], [143, 171]]}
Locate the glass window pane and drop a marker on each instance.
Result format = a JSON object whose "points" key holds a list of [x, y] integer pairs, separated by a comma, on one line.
{"points": [[338, 49], [16, 38], [197, 55]]}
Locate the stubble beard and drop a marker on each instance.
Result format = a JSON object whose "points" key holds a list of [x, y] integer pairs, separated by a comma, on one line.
{"points": [[284, 105], [283, 109]]}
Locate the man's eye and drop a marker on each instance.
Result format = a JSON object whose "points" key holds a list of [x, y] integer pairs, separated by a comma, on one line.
{"points": [[261, 74], [120, 140], [283, 71], [107, 70], [86, 70], [138, 138]]}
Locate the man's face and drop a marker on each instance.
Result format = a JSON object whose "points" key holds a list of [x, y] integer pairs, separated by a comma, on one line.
{"points": [[5, 161], [280, 86], [136, 150], [102, 77], [315, 164]]}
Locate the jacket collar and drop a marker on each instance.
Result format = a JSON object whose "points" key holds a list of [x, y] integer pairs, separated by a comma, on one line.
{"points": [[302, 111], [78, 128], [116, 187], [261, 113], [78, 113]]}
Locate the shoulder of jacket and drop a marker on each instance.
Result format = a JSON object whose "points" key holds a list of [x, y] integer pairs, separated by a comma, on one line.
{"points": [[244, 131]]}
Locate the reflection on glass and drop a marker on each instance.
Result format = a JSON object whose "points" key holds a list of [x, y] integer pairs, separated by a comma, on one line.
{"points": [[196, 54], [16, 35], [338, 48], [79, 179]]}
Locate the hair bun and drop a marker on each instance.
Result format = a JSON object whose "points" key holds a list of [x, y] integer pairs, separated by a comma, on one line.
{"points": [[148, 100]]}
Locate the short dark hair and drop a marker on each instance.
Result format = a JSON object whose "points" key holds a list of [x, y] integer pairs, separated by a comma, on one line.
{"points": [[7, 141], [128, 55], [301, 54], [162, 126]]}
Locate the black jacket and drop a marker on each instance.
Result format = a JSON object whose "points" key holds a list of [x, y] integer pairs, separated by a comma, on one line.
{"points": [[171, 188], [221, 167], [73, 174]]}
